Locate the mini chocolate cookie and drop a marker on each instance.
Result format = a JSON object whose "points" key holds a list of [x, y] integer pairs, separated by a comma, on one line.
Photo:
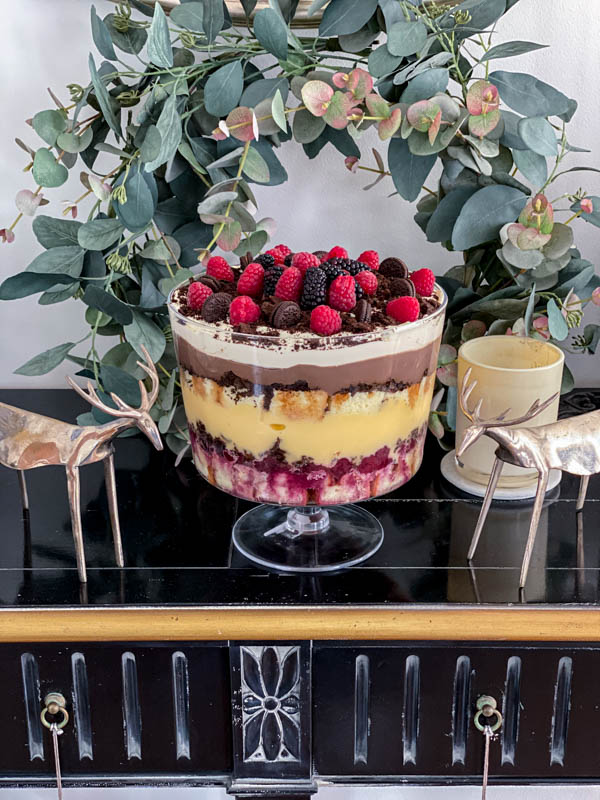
{"points": [[212, 283], [402, 287], [245, 260], [393, 268], [216, 307], [362, 311], [319, 253], [286, 314]]}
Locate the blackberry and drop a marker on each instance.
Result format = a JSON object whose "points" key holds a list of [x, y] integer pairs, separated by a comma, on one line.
{"points": [[314, 292], [288, 260], [354, 267], [265, 260], [272, 275], [331, 269], [360, 292]]}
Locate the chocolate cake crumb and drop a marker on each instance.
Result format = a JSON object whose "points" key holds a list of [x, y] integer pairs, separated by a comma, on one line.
{"points": [[393, 267], [216, 307]]}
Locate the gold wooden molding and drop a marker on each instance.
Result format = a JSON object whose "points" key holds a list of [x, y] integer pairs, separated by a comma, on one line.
{"points": [[400, 623]]}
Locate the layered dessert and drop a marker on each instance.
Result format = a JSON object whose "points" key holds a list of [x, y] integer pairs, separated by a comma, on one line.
{"points": [[307, 378]]}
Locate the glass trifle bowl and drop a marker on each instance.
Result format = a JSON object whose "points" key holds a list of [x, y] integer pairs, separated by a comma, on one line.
{"points": [[306, 425]]}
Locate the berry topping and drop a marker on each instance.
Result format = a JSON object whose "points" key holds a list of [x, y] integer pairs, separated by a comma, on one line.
{"points": [[393, 268], [217, 267], [342, 293], [251, 280], [363, 311], [197, 294], [337, 252], [370, 258], [325, 320], [216, 307], [286, 314], [283, 248], [320, 254], [266, 260], [424, 281], [288, 259], [403, 309], [243, 309], [332, 269], [277, 254], [289, 286], [314, 292], [305, 260], [272, 275], [367, 281]]}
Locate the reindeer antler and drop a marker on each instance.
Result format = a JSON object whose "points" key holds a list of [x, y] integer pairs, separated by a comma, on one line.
{"points": [[150, 370], [465, 392]]}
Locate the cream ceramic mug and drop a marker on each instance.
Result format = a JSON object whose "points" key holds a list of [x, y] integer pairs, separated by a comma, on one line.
{"points": [[511, 372]]}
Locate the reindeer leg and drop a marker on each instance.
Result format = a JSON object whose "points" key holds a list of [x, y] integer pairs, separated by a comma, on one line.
{"points": [[113, 507], [23, 488], [487, 501], [583, 487], [535, 521], [74, 502]]}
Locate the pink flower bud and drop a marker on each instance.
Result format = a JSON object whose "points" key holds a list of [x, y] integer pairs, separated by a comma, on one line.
{"points": [[99, 188], [351, 163], [540, 325], [27, 202], [586, 205], [508, 332], [6, 235], [596, 296], [340, 79]]}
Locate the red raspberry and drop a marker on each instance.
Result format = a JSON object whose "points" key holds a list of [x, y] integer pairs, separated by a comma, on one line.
{"points": [[342, 293], [325, 320], [283, 248], [243, 309], [218, 268], [403, 309], [305, 260], [370, 258], [424, 281], [251, 280], [277, 254], [289, 286], [197, 294], [367, 280], [336, 252]]}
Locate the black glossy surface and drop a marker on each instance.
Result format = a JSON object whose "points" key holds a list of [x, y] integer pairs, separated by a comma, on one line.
{"points": [[176, 532]]}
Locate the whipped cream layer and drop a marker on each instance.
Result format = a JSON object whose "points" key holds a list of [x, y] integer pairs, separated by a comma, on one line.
{"points": [[401, 353]]}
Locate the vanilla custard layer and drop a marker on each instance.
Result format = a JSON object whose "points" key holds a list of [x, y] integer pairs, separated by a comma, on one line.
{"points": [[308, 424]]}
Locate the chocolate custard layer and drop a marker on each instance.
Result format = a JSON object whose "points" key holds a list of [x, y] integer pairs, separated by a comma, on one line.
{"points": [[405, 368]]}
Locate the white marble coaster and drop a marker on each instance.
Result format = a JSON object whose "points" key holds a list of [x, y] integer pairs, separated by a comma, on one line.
{"points": [[453, 475]]}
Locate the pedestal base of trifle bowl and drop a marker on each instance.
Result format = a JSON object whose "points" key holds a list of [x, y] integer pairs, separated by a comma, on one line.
{"points": [[307, 538]]}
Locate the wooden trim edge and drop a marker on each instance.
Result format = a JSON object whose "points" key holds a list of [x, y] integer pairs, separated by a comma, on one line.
{"points": [[421, 623]]}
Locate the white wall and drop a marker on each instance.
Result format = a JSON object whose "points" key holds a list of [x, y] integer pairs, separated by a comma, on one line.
{"points": [[46, 43]]}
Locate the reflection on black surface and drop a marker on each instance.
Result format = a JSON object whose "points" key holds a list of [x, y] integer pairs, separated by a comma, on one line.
{"points": [[177, 540]]}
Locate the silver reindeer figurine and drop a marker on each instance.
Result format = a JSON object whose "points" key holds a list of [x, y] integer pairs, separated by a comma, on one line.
{"points": [[29, 440], [570, 445]]}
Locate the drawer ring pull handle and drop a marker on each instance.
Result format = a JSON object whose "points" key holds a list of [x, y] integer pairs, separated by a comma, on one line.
{"points": [[486, 709], [55, 704]]}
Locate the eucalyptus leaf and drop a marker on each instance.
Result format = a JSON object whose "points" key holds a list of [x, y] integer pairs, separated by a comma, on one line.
{"points": [[425, 85], [441, 223], [48, 125], [46, 361], [118, 381], [264, 88], [532, 165], [67, 260], [529, 310], [406, 38], [408, 171], [538, 135], [510, 49], [306, 127], [98, 234], [212, 18], [160, 51], [73, 143], [131, 40], [346, 16], [104, 99], [253, 243], [24, 284], [224, 88], [151, 145], [278, 111], [485, 213], [169, 128], [557, 324], [189, 16], [98, 298], [143, 332], [271, 31], [55, 232], [382, 62], [528, 95], [101, 36], [47, 171]]}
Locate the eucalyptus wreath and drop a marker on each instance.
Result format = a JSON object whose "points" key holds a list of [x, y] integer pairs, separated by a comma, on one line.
{"points": [[184, 113]]}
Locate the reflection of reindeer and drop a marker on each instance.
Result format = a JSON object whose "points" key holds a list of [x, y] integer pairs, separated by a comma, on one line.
{"points": [[29, 440], [570, 445]]}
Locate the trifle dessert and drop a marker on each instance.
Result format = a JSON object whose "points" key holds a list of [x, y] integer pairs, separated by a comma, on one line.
{"points": [[307, 377]]}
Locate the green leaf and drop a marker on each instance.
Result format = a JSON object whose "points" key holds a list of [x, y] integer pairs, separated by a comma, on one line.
{"points": [[72, 143], [224, 88], [382, 62], [24, 284], [253, 243], [48, 125], [272, 32], [306, 127], [160, 51], [55, 295], [528, 95], [346, 16], [229, 236], [138, 211], [117, 381], [485, 213], [51, 232], [98, 234], [425, 85], [532, 165], [97, 298], [263, 88], [189, 15], [101, 36], [529, 310], [143, 331], [278, 111], [104, 99], [255, 167], [538, 135], [406, 38], [568, 381], [59, 260], [46, 361], [557, 324], [169, 128], [510, 49], [151, 145], [166, 285], [130, 41], [408, 171], [213, 18], [47, 171], [443, 219]]}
